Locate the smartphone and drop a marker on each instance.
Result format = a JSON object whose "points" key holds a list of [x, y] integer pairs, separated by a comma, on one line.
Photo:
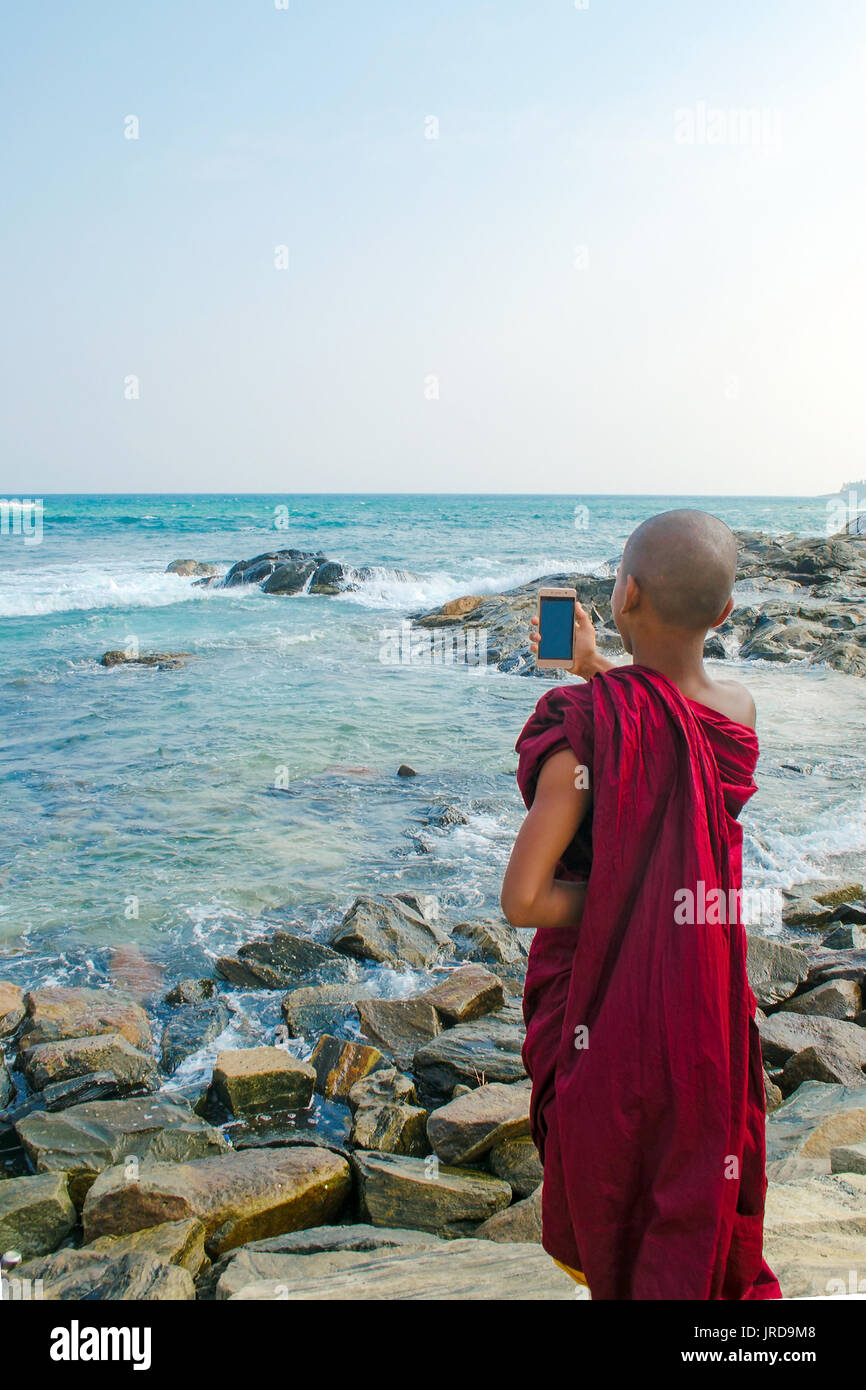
{"points": [[556, 627]]}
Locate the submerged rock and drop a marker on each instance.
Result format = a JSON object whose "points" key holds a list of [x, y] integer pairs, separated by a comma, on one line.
{"points": [[191, 1028], [162, 661]]}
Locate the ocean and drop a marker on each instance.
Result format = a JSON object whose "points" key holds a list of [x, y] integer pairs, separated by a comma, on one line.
{"points": [[179, 813]]}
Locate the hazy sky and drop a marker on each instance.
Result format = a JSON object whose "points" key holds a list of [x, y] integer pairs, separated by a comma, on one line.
{"points": [[611, 285]]}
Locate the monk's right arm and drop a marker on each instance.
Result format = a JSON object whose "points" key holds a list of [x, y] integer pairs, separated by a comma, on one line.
{"points": [[531, 896]]}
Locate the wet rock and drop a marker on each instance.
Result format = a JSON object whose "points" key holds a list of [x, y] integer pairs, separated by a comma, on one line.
{"points": [[57, 1013], [36, 1214], [262, 1078], [339, 1065], [404, 770], [399, 1026], [78, 1275], [282, 961], [815, 1119], [519, 1222], [316, 1009], [425, 1195], [175, 1242], [467, 1127], [188, 569], [385, 1086], [453, 1271], [238, 1197], [470, 1054], [192, 992], [94, 1085], [191, 1028], [390, 930], [7, 1090], [84, 1140], [774, 969], [835, 999], [289, 577], [162, 661], [276, 571], [516, 1161], [69, 1058], [466, 993], [391, 1128], [11, 1008], [490, 941]]}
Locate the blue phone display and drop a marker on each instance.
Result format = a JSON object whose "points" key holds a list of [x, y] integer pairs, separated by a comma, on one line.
{"points": [[557, 629]]}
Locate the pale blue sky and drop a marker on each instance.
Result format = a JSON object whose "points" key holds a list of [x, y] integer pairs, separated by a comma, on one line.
{"points": [[709, 338]]}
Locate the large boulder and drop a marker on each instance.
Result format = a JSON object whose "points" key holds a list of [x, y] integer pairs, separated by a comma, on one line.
{"points": [[82, 1141], [812, 1048], [815, 1119], [285, 570], [775, 970], [56, 1013], [392, 930], [134, 1277], [425, 1195], [252, 1079], [466, 993], [398, 1026], [282, 961], [466, 1128], [834, 999], [470, 1054], [448, 1271], [36, 1214], [52, 1062], [238, 1197]]}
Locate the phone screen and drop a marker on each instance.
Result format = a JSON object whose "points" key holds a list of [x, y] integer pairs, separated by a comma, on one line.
{"points": [[557, 629]]}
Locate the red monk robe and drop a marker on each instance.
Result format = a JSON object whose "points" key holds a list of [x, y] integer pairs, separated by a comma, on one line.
{"points": [[647, 1082]]}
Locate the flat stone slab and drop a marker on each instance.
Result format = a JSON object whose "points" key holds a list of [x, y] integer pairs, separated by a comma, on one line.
{"points": [[815, 1234], [36, 1214], [451, 1271], [238, 1197], [83, 1140]]}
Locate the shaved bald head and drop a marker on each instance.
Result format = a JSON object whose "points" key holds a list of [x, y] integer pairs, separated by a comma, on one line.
{"points": [[684, 563]]}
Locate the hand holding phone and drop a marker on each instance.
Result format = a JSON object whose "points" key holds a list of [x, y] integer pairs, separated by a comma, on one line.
{"points": [[563, 638]]}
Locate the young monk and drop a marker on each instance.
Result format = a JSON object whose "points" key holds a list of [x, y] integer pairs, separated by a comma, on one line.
{"points": [[647, 1082]]}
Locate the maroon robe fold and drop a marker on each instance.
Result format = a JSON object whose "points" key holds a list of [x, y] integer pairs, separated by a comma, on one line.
{"points": [[647, 1082]]}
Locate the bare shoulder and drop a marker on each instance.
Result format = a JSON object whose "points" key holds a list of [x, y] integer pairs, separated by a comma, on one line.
{"points": [[735, 702]]}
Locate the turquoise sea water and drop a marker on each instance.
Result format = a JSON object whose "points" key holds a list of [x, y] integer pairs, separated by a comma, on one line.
{"points": [[262, 775]]}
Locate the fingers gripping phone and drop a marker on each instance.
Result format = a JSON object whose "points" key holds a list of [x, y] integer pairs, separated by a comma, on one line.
{"points": [[555, 627]]}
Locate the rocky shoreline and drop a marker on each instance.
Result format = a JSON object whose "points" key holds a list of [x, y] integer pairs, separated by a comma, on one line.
{"points": [[424, 1182], [796, 599]]}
